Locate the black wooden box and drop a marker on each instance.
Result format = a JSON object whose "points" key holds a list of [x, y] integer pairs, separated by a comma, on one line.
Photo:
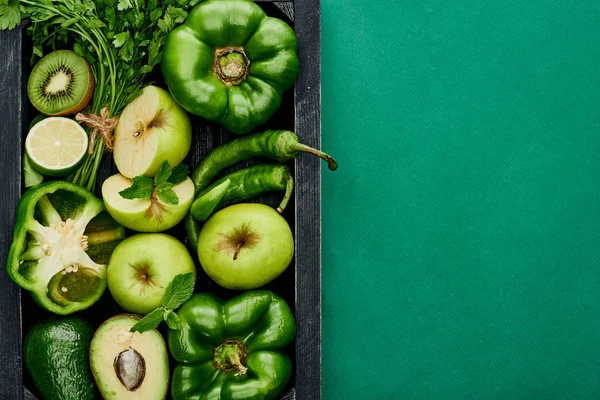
{"points": [[300, 285]]}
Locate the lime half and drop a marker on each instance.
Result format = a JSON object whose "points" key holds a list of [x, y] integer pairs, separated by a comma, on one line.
{"points": [[56, 146]]}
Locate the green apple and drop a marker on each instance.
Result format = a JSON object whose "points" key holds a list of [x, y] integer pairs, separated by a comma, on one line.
{"points": [[146, 215], [152, 128], [245, 246], [141, 268]]}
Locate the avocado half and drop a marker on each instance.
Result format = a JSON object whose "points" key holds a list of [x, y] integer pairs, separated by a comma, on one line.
{"points": [[128, 365]]}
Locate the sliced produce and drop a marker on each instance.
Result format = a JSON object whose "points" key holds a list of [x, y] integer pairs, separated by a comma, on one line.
{"points": [[242, 185], [278, 145], [237, 63], [141, 268], [63, 239], [245, 246], [56, 146], [129, 365], [152, 129], [232, 350], [150, 205], [61, 83], [56, 356]]}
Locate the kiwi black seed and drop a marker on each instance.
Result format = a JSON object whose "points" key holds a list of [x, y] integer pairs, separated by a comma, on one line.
{"points": [[61, 83]]}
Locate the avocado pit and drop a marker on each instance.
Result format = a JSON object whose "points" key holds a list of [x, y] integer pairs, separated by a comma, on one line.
{"points": [[130, 368]]}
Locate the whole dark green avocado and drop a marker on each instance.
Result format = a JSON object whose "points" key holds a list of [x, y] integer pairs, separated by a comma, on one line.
{"points": [[57, 358]]}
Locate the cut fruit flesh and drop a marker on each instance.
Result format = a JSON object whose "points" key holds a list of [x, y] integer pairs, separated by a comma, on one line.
{"points": [[56, 145], [129, 365], [61, 83], [152, 129]]}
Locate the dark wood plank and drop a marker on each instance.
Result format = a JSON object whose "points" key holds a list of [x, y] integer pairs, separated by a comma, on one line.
{"points": [[308, 203], [287, 8], [11, 127]]}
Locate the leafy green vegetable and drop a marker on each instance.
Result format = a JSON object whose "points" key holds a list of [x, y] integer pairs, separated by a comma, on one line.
{"points": [[177, 292], [30, 175], [179, 174], [143, 187], [122, 41]]}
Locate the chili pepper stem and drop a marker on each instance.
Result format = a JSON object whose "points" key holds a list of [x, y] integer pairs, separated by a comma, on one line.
{"points": [[333, 165], [289, 189]]}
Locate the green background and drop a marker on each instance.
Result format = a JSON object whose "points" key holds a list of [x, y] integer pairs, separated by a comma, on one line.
{"points": [[460, 251]]}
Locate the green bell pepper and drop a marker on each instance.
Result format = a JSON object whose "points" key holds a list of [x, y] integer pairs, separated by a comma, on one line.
{"points": [[232, 350], [229, 62], [63, 240]]}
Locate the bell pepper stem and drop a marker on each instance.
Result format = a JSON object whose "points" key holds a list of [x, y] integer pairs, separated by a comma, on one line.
{"points": [[234, 359], [289, 189], [333, 165], [48, 212], [228, 357]]}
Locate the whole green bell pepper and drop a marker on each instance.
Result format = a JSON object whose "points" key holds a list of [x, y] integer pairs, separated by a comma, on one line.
{"points": [[232, 350], [229, 62], [63, 240]]}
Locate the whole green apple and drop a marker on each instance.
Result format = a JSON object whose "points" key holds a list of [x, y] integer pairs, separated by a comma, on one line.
{"points": [[146, 215], [152, 129], [245, 246], [142, 266]]}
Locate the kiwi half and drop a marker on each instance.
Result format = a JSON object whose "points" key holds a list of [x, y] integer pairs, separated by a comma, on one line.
{"points": [[61, 83]]}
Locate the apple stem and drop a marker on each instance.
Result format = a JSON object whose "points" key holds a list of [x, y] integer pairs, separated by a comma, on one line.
{"points": [[237, 250]]}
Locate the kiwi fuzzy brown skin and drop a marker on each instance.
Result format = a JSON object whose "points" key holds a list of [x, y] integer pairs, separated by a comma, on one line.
{"points": [[137, 317], [85, 100]]}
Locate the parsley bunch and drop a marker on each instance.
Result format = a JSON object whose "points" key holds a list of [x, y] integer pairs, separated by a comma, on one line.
{"points": [[122, 41]]}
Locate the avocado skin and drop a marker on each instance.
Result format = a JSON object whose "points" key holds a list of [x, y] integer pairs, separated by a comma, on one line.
{"points": [[56, 356]]}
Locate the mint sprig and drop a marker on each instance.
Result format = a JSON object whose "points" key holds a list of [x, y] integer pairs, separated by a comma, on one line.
{"points": [[144, 187], [178, 292]]}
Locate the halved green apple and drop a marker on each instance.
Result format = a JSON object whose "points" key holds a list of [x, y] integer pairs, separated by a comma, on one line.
{"points": [[152, 215], [152, 128]]}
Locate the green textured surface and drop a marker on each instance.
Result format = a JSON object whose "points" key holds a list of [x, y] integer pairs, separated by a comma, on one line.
{"points": [[461, 249]]}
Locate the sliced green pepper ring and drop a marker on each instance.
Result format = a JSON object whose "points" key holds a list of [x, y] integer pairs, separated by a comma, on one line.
{"points": [[63, 240]]}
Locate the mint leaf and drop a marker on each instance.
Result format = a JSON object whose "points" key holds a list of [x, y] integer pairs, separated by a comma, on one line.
{"points": [[172, 319], [141, 188], [179, 174], [179, 291], [163, 174], [149, 322], [166, 193]]}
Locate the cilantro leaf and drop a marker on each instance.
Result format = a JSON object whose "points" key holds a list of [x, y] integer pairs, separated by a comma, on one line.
{"points": [[120, 39], [172, 320], [179, 174], [149, 322], [124, 5], [163, 174], [178, 291], [10, 15], [141, 188]]}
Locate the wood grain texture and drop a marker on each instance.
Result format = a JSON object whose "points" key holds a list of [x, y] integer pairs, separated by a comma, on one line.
{"points": [[11, 127], [308, 202]]}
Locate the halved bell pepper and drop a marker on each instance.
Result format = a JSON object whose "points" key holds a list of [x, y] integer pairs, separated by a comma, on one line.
{"points": [[230, 63], [63, 240], [232, 350]]}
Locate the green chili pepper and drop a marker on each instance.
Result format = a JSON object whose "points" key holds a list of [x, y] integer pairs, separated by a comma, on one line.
{"points": [[243, 185], [278, 145]]}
